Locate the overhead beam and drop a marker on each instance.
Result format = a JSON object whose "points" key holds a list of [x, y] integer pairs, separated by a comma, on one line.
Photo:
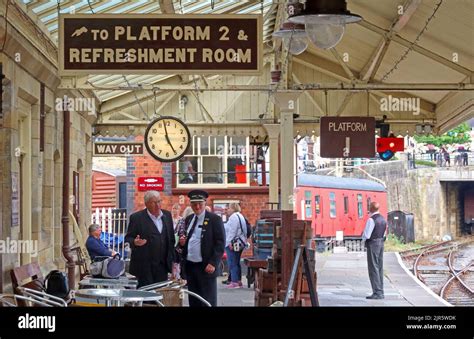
{"points": [[377, 101], [344, 103], [458, 116], [323, 65], [164, 103], [280, 12], [270, 11], [129, 99], [242, 6], [426, 107], [417, 48], [310, 98], [458, 107], [370, 69], [166, 6], [332, 86], [343, 64], [234, 101], [206, 116]]}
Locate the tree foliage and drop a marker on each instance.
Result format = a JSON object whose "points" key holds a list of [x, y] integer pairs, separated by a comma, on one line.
{"points": [[458, 135]]}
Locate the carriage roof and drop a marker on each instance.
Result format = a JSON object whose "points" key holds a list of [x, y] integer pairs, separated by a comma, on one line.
{"points": [[327, 181]]}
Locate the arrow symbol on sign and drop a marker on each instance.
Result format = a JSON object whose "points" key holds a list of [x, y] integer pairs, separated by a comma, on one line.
{"points": [[79, 31]]}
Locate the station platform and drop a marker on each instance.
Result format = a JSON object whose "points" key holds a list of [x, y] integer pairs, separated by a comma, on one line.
{"points": [[343, 280]]}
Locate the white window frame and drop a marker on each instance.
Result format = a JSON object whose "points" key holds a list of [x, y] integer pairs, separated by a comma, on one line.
{"points": [[199, 155]]}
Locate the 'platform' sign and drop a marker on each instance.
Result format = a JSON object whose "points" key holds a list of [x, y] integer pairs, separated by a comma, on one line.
{"points": [[170, 44], [348, 137]]}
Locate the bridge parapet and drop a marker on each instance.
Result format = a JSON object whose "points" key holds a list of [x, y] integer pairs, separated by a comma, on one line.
{"points": [[461, 173]]}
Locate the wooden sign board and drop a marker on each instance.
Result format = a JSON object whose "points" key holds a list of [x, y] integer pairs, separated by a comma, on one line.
{"points": [[117, 148], [164, 44], [347, 137]]}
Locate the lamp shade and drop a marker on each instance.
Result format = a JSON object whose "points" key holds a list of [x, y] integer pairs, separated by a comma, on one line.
{"points": [[324, 12], [325, 21], [294, 37]]}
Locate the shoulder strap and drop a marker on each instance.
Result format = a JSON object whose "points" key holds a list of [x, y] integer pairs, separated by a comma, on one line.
{"points": [[240, 222]]}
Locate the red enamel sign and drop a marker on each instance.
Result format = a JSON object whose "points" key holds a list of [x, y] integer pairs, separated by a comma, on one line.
{"points": [[151, 183], [392, 144]]}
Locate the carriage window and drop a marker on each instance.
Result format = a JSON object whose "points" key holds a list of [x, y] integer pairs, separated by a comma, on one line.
{"points": [[307, 202], [359, 206], [346, 205], [317, 201], [368, 203], [332, 204]]}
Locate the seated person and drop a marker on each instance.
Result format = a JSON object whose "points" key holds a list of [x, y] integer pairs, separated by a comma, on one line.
{"points": [[95, 246], [186, 171]]}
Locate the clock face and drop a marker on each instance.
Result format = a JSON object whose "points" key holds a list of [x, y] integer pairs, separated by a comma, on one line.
{"points": [[167, 139]]}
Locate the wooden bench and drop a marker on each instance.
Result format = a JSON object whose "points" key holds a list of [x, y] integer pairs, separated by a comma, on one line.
{"points": [[29, 276], [253, 264]]}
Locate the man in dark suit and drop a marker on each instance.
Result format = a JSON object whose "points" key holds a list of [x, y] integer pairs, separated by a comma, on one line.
{"points": [[151, 237], [204, 244]]}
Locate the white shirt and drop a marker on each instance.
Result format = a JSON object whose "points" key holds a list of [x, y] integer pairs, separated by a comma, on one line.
{"points": [[194, 244], [232, 228], [157, 220], [369, 227]]}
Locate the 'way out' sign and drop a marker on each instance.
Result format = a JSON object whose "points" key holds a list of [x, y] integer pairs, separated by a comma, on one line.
{"points": [[117, 148], [144, 43], [348, 137]]}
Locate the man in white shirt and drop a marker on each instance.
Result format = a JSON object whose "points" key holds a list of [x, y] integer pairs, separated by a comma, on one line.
{"points": [[203, 249], [374, 236]]}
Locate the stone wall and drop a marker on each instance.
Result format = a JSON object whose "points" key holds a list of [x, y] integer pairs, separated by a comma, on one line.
{"points": [[36, 217]]}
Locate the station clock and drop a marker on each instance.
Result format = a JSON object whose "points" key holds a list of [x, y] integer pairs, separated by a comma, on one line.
{"points": [[167, 139]]}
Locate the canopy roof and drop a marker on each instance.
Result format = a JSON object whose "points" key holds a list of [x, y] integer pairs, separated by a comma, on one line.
{"points": [[430, 42]]}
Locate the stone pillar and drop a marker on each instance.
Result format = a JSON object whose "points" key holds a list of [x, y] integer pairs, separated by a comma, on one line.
{"points": [[273, 131]]}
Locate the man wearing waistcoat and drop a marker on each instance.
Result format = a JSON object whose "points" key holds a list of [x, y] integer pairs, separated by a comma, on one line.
{"points": [[374, 236], [203, 247], [151, 236]]}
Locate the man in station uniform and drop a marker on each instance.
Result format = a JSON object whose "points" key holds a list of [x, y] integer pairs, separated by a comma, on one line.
{"points": [[204, 244], [151, 236], [374, 236]]}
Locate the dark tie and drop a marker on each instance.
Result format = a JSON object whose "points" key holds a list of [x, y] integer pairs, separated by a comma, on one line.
{"points": [[193, 227]]}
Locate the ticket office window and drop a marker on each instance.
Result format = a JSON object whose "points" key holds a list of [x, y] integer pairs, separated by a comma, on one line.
{"points": [[215, 161]]}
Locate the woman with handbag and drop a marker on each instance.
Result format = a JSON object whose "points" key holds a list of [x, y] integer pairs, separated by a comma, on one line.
{"points": [[236, 240]]}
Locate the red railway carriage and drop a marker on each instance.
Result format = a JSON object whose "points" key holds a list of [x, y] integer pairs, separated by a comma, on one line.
{"points": [[337, 204]]}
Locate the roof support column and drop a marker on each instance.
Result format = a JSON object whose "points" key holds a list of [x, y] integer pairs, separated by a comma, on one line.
{"points": [[273, 131], [287, 102]]}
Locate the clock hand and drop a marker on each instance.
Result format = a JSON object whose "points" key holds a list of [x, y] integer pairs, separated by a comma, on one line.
{"points": [[168, 138]]}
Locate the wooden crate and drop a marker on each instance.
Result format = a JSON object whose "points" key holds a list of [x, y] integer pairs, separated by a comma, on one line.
{"points": [[263, 299], [267, 281]]}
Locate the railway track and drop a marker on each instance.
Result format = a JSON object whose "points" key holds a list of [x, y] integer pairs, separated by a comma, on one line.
{"points": [[447, 268]]}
